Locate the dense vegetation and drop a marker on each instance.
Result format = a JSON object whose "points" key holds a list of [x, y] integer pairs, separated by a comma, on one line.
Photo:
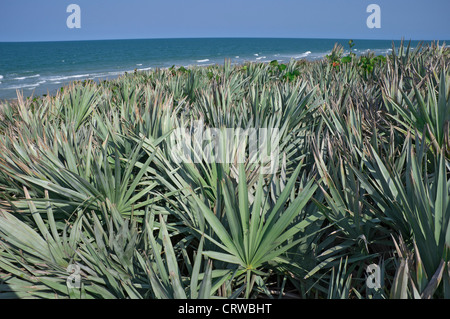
{"points": [[88, 188]]}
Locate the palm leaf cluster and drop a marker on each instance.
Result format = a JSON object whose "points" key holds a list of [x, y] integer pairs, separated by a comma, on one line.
{"points": [[93, 204]]}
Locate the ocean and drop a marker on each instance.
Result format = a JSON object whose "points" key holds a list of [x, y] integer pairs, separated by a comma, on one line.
{"points": [[37, 68]]}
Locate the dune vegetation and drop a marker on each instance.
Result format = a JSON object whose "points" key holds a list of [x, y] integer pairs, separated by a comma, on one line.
{"points": [[92, 205]]}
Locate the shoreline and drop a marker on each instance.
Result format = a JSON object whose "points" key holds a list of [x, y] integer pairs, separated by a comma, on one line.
{"points": [[44, 88], [54, 62], [151, 69]]}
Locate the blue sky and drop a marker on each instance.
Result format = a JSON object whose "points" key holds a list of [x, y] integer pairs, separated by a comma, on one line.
{"points": [[45, 20]]}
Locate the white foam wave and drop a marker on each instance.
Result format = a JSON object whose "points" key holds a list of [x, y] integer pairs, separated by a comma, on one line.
{"points": [[1, 77], [261, 57], [145, 69], [202, 61], [139, 64], [303, 55], [67, 77], [23, 86], [26, 86], [27, 77]]}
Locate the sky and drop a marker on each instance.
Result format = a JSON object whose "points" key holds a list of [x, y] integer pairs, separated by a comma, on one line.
{"points": [[45, 20]]}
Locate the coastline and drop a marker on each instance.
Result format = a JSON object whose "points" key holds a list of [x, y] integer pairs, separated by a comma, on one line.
{"points": [[55, 63], [146, 70]]}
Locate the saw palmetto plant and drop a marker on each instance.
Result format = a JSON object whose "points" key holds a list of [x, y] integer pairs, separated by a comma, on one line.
{"points": [[131, 188]]}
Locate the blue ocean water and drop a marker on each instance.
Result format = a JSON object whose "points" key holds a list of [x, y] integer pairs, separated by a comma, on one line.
{"points": [[37, 68]]}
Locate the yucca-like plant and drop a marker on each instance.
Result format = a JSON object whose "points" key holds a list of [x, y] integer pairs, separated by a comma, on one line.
{"points": [[426, 111], [410, 279], [105, 174], [104, 256], [340, 283], [252, 233], [417, 204]]}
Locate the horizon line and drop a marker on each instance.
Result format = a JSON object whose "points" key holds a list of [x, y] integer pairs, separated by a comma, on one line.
{"points": [[229, 37]]}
